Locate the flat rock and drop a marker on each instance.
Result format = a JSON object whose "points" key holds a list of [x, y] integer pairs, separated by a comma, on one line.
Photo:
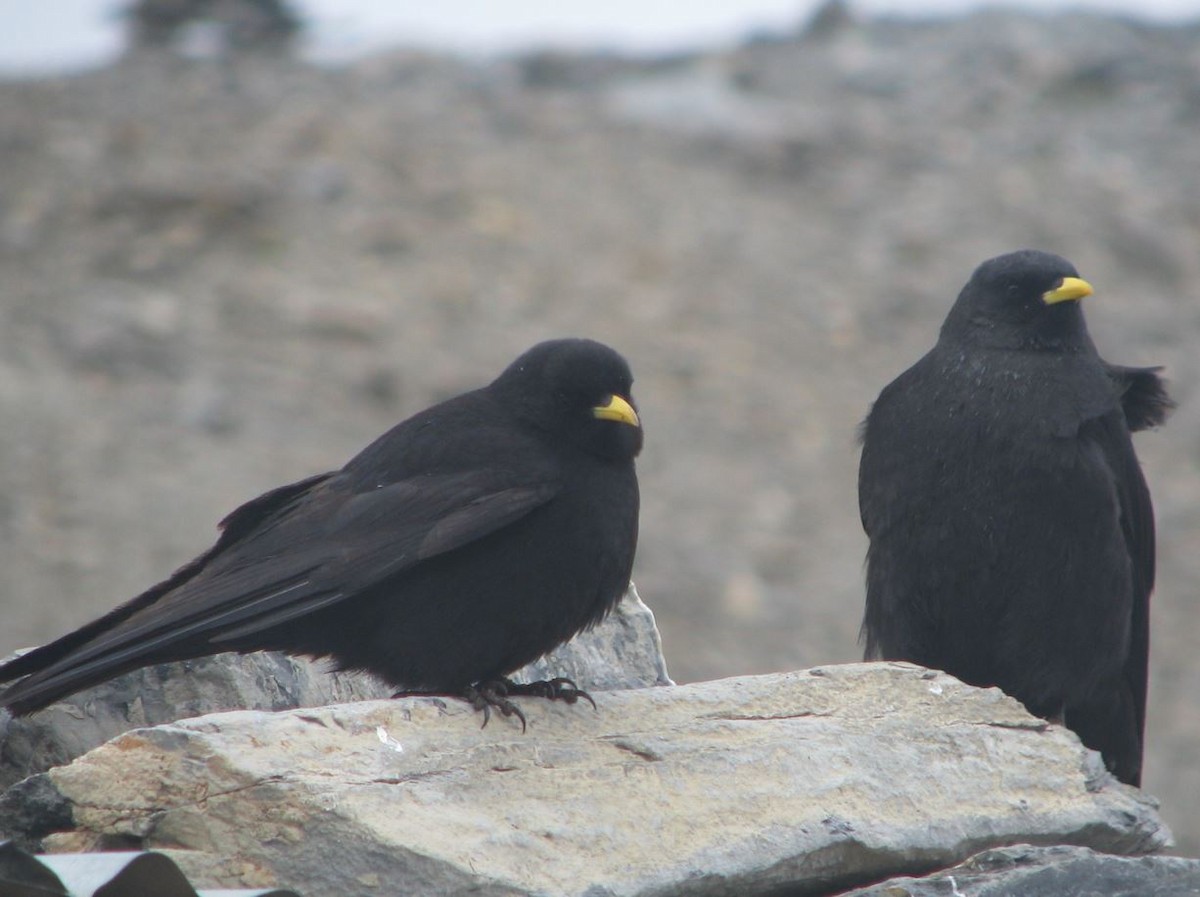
{"points": [[624, 651], [805, 782], [1051, 872]]}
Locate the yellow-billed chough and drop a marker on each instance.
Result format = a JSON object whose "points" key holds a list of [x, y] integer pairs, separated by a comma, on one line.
{"points": [[462, 544], [1011, 531]]}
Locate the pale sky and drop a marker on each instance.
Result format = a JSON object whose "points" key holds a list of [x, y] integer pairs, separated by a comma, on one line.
{"points": [[48, 35]]}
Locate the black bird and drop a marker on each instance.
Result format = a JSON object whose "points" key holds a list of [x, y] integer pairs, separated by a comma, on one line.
{"points": [[1011, 531], [462, 544]]}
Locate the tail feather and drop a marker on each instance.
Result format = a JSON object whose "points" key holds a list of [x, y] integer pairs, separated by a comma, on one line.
{"points": [[1109, 724], [1144, 397], [39, 690], [81, 658], [41, 673]]}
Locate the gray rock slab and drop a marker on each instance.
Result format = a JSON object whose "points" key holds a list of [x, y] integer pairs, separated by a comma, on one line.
{"points": [[167, 692], [1059, 871], [624, 651], [802, 783]]}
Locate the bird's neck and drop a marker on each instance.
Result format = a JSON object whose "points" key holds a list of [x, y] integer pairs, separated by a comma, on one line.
{"points": [[985, 335]]}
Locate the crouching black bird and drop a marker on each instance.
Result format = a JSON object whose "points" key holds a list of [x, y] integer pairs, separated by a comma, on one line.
{"points": [[462, 544], [1011, 532]]}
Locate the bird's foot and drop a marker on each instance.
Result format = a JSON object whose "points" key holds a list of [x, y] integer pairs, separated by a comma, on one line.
{"points": [[494, 693], [558, 689], [481, 696]]}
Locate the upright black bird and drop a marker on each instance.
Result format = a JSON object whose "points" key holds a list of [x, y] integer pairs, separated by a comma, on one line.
{"points": [[1011, 532], [462, 544]]}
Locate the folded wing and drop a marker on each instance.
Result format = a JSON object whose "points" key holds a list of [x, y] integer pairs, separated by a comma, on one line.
{"points": [[284, 555]]}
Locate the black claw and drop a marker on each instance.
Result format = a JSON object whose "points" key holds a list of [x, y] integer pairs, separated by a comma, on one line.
{"points": [[557, 689], [493, 693], [482, 696]]}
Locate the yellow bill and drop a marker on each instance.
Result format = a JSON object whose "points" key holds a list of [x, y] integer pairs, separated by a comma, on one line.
{"points": [[617, 409], [1069, 289]]}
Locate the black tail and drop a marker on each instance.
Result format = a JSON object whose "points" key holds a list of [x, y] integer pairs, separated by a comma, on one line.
{"points": [[1144, 397], [54, 671], [1109, 724], [49, 673]]}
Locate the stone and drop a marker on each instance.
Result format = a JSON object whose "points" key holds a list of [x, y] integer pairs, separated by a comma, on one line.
{"points": [[624, 651], [1057, 871], [804, 782]]}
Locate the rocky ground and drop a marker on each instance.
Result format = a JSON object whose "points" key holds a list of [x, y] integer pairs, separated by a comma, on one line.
{"points": [[805, 783], [217, 277]]}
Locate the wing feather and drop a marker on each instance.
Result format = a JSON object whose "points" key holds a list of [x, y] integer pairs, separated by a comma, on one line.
{"points": [[282, 556]]}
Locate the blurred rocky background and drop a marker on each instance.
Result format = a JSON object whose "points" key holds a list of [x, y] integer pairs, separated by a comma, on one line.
{"points": [[222, 271]]}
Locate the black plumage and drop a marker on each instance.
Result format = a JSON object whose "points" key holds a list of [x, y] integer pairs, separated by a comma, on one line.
{"points": [[462, 544], [1011, 530]]}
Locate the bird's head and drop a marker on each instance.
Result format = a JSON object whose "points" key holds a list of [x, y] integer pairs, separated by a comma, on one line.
{"points": [[1022, 300], [579, 391]]}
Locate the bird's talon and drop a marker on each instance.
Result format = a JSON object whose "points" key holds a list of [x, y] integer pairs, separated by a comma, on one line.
{"points": [[559, 688], [493, 694]]}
